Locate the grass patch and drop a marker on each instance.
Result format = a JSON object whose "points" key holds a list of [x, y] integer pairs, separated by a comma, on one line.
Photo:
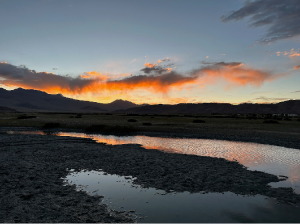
{"points": [[198, 121], [51, 125], [108, 129], [270, 122], [26, 117], [132, 120]]}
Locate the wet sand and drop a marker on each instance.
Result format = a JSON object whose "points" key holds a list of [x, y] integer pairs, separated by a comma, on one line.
{"points": [[31, 168]]}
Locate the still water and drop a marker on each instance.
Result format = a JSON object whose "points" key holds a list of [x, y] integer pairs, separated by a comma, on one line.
{"points": [[153, 206], [156, 206], [267, 158]]}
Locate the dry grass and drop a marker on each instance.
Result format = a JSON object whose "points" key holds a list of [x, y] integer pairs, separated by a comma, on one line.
{"points": [[159, 123]]}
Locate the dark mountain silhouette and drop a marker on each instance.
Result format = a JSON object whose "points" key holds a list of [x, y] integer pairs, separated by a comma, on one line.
{"points": [[7, 109], [34, 100], [289, 107]]}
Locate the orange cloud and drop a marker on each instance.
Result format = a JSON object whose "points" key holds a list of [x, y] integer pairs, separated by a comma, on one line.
{"points": [[150, 65], [94, 74], [292, 53], [240, 76], [297, 67], [161, 80]]}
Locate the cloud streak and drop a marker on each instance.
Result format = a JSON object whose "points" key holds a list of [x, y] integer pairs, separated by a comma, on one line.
{"points": [[156, 80], [281, 17], [267, 100]]}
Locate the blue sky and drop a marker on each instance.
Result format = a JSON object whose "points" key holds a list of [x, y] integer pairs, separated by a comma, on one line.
{"points": [[72, 37]]}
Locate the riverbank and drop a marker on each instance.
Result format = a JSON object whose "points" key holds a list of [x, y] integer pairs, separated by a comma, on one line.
{"points": [[32, 167]]}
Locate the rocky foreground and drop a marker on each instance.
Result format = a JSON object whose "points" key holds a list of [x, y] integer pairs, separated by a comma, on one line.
{"points": [[32, 168]]}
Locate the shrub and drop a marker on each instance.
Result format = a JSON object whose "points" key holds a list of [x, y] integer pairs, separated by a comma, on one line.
{"points": [[132, 120], [298, 119], [271, 122], [198, 121], [95, 128], [78, 116], [287, 119], [147, 124], [51, 125]]}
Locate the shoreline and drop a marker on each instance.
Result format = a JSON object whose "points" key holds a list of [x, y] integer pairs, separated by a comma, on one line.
{"points": [[32, 167]]}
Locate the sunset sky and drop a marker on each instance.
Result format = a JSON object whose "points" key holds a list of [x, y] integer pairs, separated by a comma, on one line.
{"points": [[166, 51]]}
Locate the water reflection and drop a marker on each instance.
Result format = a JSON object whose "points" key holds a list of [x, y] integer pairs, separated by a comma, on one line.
{"points": [[155, 206], [267, 158]]}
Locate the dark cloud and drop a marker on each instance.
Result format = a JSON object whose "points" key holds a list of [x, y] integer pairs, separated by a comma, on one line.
{"points": [[225, 64], [156, 69], [282, 17], [155, 83], [21, 76]]}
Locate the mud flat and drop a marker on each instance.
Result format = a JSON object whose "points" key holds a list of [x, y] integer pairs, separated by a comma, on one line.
{"points": [[32, 168]]}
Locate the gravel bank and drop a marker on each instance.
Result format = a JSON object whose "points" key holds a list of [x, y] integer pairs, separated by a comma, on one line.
{"points": [[31, 168], [32, 190]]}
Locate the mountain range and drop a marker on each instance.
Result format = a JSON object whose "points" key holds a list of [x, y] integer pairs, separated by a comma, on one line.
{"points": [[288, 107], [38, 101]]}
